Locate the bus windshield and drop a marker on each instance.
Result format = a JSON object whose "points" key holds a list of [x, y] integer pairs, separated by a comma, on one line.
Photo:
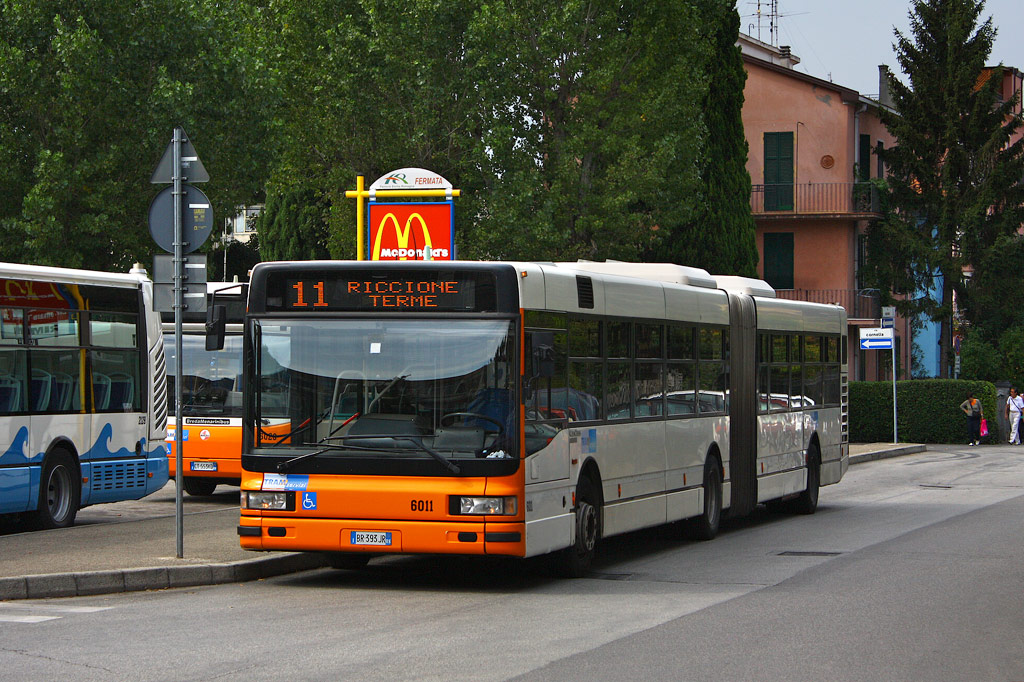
{"points": [[211, 380], [386, 388]]}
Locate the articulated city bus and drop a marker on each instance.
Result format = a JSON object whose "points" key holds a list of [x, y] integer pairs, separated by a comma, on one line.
{"points": [[211, 404], [527, 408], [83, 398]]}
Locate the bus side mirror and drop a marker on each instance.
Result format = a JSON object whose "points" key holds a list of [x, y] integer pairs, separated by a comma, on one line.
{"points": [[216, 319]]}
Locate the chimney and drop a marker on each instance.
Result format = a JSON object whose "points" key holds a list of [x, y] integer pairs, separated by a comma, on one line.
{"points": [[884, 96]]}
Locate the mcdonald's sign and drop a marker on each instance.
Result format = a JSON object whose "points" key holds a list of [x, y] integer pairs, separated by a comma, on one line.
{"points": [[404, 231]]}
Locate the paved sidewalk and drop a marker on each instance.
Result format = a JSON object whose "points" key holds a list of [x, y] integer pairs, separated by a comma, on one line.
{"points": [[866, 452], [127, 556]]}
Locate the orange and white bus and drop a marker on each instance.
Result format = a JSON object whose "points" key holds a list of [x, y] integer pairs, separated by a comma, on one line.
{"points": [[527, 408], [211, 394]]}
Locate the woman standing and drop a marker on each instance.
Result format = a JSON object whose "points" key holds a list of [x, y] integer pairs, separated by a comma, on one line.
{"points": [[972, 408]]}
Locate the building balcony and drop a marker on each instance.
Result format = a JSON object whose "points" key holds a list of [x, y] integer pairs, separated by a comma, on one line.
{"points": [[860, 304], [846, 200]]}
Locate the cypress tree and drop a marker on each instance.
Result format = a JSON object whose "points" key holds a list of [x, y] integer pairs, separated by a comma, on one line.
{"points": [[721, 237], [292, 227], [953, 197]]}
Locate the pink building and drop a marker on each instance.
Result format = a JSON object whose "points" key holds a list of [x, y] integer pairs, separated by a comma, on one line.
{"points": [[810, 161]]}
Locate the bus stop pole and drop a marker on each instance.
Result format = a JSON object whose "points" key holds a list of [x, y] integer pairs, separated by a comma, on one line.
{"points": [[895, 439], [179, 299]]}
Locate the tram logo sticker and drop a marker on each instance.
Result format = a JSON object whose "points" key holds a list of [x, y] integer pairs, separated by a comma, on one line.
{"points": [[204, 434], [285, 482]]}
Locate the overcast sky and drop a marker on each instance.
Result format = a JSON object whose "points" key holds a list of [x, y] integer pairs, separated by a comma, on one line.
{"points": [[845, 40]]}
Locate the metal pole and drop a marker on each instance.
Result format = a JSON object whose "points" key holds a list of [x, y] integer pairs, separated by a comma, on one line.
{"points": [[360, 218], [178, 304], [895, 439]]}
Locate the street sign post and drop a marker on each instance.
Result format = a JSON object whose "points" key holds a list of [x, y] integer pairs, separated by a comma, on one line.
{"points": [[179, 162], [876, 338], [883, 338]]}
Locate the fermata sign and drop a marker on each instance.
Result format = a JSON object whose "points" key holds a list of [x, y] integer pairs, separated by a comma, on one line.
{"points": [[408, 231]]}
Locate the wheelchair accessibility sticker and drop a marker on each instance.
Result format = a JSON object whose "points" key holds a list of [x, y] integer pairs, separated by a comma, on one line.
{"points": [[309, 500]]}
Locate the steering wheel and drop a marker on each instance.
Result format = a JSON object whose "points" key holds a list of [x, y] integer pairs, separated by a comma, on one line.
{"points": [[451, 416]]}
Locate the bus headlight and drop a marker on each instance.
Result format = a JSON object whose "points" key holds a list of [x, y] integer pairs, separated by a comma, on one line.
{"points": [[503, 506], [283, 501]]}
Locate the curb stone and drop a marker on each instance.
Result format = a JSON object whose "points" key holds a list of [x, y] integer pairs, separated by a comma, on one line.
{"points": [[138, 579]]}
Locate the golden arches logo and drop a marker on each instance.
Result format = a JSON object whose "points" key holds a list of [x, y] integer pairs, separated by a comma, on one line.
{"points": [[401, 235]]}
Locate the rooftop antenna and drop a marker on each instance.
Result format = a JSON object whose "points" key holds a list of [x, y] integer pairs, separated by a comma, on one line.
{"points": [[771, 8]]}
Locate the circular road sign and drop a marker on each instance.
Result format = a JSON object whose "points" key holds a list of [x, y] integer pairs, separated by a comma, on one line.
{"points": [[196, 219]]}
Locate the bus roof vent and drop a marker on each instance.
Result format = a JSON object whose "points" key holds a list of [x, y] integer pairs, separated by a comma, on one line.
{"points": [[745, 285], [585, 291]]}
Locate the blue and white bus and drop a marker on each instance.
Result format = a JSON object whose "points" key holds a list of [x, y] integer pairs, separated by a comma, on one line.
{"points": [[83, 391]]}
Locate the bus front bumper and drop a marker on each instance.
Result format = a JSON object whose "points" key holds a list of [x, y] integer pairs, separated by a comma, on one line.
{"points": [[382, 537]]}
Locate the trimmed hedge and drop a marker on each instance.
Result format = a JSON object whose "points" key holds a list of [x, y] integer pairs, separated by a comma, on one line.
{"points": [[928, 410]]}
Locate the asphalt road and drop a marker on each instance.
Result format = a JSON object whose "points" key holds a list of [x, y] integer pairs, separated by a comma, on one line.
{"points": [[911, 570]]}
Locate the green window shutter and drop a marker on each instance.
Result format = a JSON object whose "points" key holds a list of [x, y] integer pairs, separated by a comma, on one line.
{"points": [[778, 171], [864, 165], [778, 259]]}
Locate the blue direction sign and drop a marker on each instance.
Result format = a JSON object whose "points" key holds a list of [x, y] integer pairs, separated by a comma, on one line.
{"points": [[876, 338]]}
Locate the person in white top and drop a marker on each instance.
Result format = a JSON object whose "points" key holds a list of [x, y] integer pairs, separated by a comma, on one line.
{"points": [[1014, 407]]}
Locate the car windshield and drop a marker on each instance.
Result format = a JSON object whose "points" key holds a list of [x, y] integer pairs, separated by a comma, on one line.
{"points": [[210, 380], [394, 388]]}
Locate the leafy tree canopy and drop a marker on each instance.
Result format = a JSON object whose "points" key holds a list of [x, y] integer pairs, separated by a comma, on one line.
{"points": [[89, 96], [953, 194]]}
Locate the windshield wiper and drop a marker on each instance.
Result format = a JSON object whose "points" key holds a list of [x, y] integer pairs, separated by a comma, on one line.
{"points": [[287, 464], [447, 463], [415, 440]]}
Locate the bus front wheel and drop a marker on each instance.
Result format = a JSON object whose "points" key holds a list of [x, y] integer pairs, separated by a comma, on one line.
{"points": [[59, 492], [575, 561]]}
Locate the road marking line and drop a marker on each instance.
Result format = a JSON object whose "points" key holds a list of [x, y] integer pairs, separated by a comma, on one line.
{"points": [[26, 619], [55, 608]]}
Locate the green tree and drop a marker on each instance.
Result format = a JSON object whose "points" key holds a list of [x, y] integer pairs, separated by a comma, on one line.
{"points": [[570, 129], [292, 227], [591, 130], [720, 237], [368, 86], [953, 193], [89, 96]]}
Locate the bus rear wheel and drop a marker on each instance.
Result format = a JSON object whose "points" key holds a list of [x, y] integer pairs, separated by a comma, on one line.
{"points": [[807, 501], [199, 486], [59, 492], [705, 526]]}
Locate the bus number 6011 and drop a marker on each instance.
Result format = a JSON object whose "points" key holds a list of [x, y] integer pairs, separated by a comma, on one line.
{"points": [[422, 505]]}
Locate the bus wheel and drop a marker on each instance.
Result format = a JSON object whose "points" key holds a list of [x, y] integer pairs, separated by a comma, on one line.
{"points": [[347, 561], [705, 526], [59, 492], [575, 561], [199, 486], [807, 501]]}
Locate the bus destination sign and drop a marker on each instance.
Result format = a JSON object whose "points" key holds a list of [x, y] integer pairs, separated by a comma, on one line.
{"points": [[395, 292]]}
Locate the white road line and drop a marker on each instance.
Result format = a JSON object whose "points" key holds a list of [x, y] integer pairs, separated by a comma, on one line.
{"points": [[54, 608], [4, 618]]}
